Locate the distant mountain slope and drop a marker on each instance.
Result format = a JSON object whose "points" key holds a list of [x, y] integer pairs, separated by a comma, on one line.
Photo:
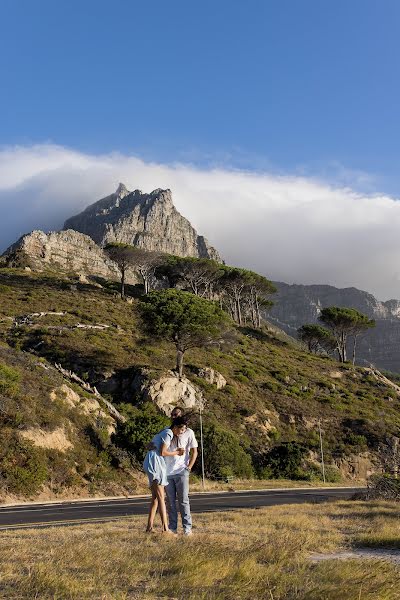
{"points": [[149, 221], [299, 304]]}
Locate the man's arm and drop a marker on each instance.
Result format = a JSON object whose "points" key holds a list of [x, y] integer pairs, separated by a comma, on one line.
{"points": [[193, 457]]}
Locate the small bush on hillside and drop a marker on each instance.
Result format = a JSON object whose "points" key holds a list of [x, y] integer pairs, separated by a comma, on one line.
{"points": [[284, 461], [230, 390], [62, 473], [332, 474], [223, 454], [141, 425], [23, 467], [9, 380], [359, 442]]}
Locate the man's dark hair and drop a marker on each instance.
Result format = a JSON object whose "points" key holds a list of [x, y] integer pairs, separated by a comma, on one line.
{"points": [[179, 421], [178, 408]]}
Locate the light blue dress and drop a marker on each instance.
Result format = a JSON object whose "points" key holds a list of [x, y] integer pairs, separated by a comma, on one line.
{"points": [[154, 463]]}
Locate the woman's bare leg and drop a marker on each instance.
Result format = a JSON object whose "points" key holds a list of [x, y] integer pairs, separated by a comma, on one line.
{"points": [[153, 507], [162, 508]]}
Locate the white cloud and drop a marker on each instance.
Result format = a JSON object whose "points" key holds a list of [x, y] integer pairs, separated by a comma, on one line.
{"points": [[291, 228]]}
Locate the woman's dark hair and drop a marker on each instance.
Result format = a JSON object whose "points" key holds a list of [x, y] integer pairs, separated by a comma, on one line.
{"points": [[179, 422]]}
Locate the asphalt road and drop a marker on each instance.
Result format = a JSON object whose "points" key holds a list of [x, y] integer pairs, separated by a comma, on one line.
{"points": [[78, 512]]}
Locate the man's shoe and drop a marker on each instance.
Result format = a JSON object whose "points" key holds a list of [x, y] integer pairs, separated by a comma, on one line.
{"points": [[174, 531], [188, 532]]}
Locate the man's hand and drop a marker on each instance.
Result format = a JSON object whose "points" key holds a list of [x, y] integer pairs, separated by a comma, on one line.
{"points": [[151, 446], [180, 451]]}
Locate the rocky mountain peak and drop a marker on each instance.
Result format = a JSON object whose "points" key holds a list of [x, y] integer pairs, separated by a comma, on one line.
{"points": [[122, 190], [149, 221]]}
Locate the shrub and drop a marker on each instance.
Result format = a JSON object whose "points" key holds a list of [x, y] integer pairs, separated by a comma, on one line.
{"points": [[284, 461], [332, 474], [224, 455], [386, 487], [23, 467], [141, 425], [356, 440], [242, 378], [230, 390], [9, 380]]}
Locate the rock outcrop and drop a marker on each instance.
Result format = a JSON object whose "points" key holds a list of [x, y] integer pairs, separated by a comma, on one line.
{"points": [[168, 391], [212, 376], [295, 305], [54, 440], [68, 250], [148, 221]]}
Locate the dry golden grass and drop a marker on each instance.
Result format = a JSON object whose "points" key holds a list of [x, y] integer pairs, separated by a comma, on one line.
{"points": [[252, 554]]}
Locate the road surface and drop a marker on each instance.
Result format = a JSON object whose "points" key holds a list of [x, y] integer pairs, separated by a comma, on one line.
{"points": [[79, 512]]}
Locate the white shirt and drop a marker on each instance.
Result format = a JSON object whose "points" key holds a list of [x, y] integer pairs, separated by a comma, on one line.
{"points": [[177, 464]]}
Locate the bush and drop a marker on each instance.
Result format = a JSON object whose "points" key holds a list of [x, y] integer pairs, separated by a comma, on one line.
{"points": [[332, 474], [356, 440], [141, 426], [385, 487], [283, 461], [23, 467], [224, 455], [9, 380]]}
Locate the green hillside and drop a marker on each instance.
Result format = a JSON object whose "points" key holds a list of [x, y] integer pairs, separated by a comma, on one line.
{"points": [[276, 393]]}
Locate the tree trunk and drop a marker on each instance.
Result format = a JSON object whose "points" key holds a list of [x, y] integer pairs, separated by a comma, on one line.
{"points": [[179, 362], [258, 314], [344, 343], [354, 349], [122, 283], [239, 312]]}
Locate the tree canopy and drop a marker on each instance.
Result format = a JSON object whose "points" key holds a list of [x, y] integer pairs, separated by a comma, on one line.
{"points": [[343, 323], [317, 338], [142, 261], [122, 255], [242, 293], [184, 319], [196, 275]]}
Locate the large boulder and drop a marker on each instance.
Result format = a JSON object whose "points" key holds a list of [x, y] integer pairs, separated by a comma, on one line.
{"points": [[168, 391], [212, 376]]}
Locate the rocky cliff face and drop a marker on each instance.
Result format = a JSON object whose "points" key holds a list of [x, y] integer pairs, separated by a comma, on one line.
{"points": [[296, 305], [149, 221], [68, 250]]}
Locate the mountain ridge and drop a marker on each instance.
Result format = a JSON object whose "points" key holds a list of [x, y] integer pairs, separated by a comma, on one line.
{"points": [[148, 221], [296, 304]]}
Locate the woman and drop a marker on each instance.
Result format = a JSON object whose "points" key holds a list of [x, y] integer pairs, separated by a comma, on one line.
{"points": [[155, 467]]}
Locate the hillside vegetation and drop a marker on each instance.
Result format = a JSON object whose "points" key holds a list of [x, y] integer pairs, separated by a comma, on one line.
{"points": [[275, 396]]}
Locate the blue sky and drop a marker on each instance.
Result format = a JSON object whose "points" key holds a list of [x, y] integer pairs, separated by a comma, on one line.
{"points": [[309, 86]]}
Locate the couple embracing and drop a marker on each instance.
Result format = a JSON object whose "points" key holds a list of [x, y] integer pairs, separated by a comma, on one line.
{"points": [[169, 460]]}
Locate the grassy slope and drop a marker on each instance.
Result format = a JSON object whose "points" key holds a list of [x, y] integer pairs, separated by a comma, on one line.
{"points": [[238, 555], [275, 390]]}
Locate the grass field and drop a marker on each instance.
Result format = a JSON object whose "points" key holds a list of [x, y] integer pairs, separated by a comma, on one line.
{"points": [[252, 554]]}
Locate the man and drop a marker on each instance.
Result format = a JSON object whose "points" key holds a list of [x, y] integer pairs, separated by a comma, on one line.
{"points": [[178, 471]]}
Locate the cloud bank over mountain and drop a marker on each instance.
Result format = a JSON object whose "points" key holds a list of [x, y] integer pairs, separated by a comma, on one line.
{"points": [[290, 228]]}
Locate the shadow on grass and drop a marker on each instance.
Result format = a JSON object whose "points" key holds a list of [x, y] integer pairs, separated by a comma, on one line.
{"points": [[262, 336], [89, 361]]}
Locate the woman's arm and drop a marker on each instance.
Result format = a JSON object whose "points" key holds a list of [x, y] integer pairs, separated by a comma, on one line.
{"points": [[166, 452]]}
